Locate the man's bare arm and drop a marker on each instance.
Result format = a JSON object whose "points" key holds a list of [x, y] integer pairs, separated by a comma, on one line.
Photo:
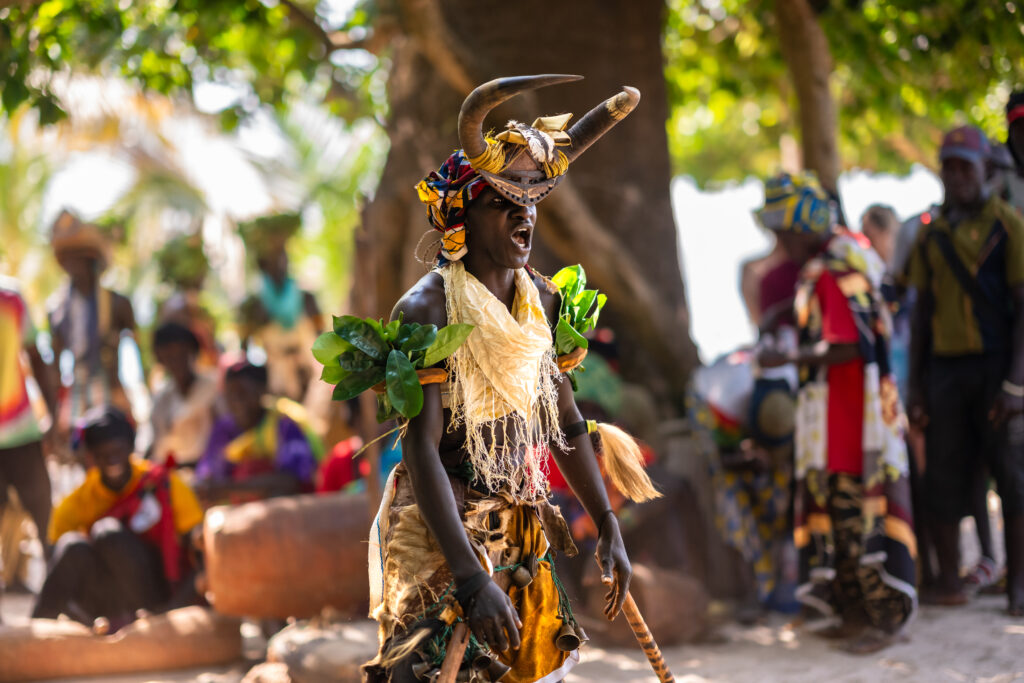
{"points": [[44, 376], [1007, 404], [579, 467]]}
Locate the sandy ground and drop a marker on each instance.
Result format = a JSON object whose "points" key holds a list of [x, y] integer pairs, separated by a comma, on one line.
{"points": [[976, 643], [973, 643]]}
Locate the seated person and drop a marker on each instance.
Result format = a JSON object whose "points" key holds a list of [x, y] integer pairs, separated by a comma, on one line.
{"points": [[264, 447], [186, 404], [120, 537]]}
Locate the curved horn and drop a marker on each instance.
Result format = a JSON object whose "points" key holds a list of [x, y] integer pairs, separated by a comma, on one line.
{"points": [[488, 96], [600, 119]]}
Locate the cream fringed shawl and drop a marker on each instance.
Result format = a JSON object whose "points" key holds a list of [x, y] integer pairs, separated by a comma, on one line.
{"points": [[503, 382]]}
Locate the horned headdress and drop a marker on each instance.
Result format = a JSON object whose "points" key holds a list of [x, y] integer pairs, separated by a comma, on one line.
{"points": [[523, 162]]}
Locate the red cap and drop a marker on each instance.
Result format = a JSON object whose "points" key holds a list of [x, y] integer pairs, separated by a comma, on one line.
{"points": [[965, 142]]}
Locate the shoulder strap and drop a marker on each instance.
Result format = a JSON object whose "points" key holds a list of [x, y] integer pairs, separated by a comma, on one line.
{"points": [[979, 300]]}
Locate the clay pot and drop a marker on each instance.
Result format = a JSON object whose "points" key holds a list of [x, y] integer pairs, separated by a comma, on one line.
{"points": [[180, 639], [288, 557]]}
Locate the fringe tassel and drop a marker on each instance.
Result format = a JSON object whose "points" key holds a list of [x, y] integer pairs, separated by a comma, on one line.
{"points": [[624, 464], [405, 648]]}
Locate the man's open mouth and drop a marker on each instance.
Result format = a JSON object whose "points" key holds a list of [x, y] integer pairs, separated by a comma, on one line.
{"points": [[521, 237]]}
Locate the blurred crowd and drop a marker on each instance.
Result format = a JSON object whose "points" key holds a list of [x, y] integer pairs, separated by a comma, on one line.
{"points": [[883, 401], [135, 477]]}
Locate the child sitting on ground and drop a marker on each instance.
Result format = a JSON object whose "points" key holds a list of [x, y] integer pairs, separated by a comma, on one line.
{"points": [[122, 536]]}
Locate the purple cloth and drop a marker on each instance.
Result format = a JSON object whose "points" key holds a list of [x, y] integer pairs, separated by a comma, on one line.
{"points": [[294, 454]]}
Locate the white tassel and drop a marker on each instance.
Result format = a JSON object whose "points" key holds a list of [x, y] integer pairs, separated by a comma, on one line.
{"points": [[624, 464]]}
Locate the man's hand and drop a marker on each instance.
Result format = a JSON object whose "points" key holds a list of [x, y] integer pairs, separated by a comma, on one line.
{"points": [[615, 568], [917, 414], [492, 616], [1004, 407]]}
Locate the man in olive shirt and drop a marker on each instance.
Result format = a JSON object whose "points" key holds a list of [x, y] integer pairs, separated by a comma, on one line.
{"points": [[967, 356]]}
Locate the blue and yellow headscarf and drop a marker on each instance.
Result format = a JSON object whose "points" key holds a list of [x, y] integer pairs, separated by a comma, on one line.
{"points": [[447, 192], [796, 203]]}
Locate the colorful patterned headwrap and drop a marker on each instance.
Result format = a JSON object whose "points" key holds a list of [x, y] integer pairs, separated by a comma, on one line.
{"points": [[447, 192], [796, 203]]}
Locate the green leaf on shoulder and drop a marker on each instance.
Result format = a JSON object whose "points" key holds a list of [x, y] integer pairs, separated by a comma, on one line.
{"points": [[403, 385], [449, 338], [567, 339], [420, 339], [355, 361], [391, 329], [341, 321], [570, 279], [329, 346], [583, 302], [333, 373], [378, 327], [365, 335], [356, 383], [404, 332], [385, 411]]}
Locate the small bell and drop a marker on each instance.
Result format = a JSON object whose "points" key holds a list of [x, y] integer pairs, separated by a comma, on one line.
{"points": [[496, 671], [482, 660], [568, 640], [522, 577], [425, 671]]}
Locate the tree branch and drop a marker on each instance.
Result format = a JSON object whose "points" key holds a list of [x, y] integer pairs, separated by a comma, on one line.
{"points": [[425, 23], [661, 329], [805, 50], [379, 37], [4, 4], [300, 16]]}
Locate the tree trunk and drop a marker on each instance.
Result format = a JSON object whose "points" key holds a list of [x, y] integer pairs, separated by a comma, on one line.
{"points": [[612, 214], [806, 52]]}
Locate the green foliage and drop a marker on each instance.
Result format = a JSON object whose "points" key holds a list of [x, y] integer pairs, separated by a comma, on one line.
{"points": [[578, 313], [278, 49], [362, 335], [448, 339], [403, 386], [362, 349], [182, 261], [273, 228], [24, 173], [904, 72]]}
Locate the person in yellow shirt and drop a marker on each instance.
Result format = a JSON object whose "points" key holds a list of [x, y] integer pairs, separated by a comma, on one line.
{"points": [[121, 537]]}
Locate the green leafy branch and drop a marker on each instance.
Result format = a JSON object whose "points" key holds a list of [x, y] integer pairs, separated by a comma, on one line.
{"points": [[360, 353], [579, 312]]}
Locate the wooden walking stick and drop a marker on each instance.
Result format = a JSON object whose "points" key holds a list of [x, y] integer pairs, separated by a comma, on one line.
{"points": [[453, 656], [643, 636]]}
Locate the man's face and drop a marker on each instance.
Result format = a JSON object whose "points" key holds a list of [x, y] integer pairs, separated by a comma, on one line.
{"points": [[963, 181], [80, 264], [275, 265], [881, 240], [112, 458], [500, 230], [244, 401], [1016, 140], [800, 247], [177, 359]]}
